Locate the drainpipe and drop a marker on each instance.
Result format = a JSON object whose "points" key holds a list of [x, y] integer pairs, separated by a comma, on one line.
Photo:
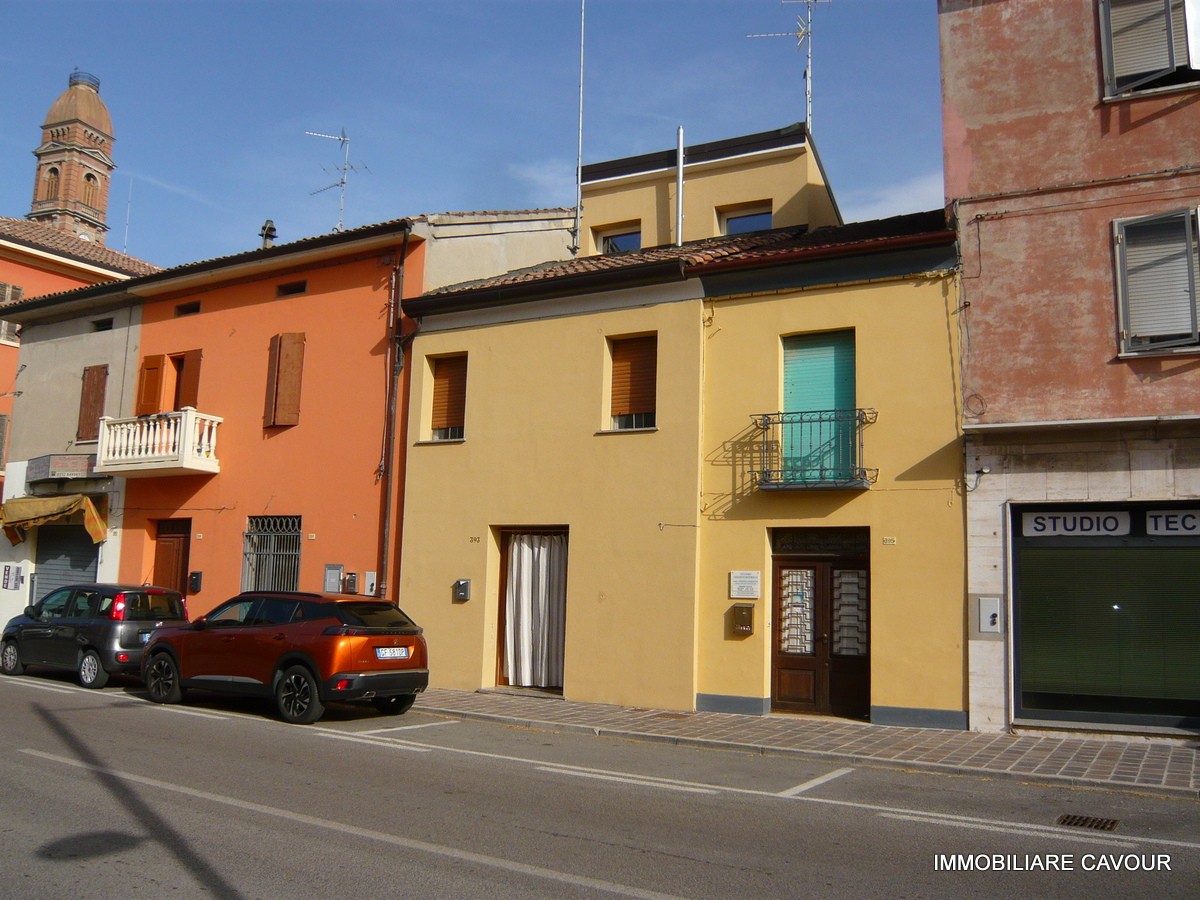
{"points": [[679, 190], [399, 343]]}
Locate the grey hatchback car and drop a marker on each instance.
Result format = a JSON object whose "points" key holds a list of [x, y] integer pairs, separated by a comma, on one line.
{"points": [[92, 629]]}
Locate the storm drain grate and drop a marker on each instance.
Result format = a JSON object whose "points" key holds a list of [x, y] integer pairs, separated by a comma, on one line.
{"points": [[1093, 822]]}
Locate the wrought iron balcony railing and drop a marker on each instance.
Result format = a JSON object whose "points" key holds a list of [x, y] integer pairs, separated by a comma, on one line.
{"points": [[173, 443], [820, 449]]}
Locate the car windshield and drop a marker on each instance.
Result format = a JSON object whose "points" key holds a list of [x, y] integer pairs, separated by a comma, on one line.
{"points": [[373, 615]]}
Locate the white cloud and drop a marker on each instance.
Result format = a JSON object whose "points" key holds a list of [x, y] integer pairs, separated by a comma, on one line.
{"points": [[917, 194]]}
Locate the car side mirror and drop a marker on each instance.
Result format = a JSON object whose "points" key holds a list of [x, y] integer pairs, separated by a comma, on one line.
{"points": [[201, 623], [32, 612]]}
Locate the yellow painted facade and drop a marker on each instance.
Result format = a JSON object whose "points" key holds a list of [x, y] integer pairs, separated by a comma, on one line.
{"points": [[658, 519], [538, 453], [905, 337], [787, 182]]}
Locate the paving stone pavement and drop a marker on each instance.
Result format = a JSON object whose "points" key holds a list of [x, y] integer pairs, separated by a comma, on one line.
{"points": [[1170, 765]]}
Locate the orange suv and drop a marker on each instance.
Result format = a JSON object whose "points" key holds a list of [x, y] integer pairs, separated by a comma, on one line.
{"points": [[304, 650]]}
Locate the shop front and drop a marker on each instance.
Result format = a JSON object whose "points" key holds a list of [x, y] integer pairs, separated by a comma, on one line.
{"points": [[1106, 614]]}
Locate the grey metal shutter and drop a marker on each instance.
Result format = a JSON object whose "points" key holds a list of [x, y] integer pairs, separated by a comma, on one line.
{"points": [[1146, 40], [1158, 278], [65, 555]]}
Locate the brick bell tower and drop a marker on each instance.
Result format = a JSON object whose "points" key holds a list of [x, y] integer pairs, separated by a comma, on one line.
{"points": [[74, 165]]}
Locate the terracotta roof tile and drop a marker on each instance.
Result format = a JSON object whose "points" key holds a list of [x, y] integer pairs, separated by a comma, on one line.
{"points": [[41, 237], [762, 245]]}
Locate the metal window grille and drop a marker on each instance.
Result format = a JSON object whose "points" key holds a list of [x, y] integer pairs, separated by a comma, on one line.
{"points": [[271, 554]]}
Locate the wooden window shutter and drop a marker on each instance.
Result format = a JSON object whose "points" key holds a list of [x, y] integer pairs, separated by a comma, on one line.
{"points": [[634, 375], [449, 392], [285, 370], [188, 388], [150, 385], [91, 403]]}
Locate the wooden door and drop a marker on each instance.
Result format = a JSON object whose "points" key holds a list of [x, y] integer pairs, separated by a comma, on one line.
{"points": [[821, 657], [171, 554]]}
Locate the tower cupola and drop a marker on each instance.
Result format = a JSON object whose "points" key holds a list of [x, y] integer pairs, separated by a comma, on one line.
{"points": [[74, 162]]}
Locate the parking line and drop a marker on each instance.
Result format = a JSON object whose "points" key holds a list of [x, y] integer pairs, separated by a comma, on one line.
{"points": [[453, 853], [630, 779], [816, 782], [405, 727]]}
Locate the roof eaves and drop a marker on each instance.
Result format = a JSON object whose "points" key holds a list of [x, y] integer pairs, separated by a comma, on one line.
{"points": [[824, 251], [129, 288], [659, 271]]}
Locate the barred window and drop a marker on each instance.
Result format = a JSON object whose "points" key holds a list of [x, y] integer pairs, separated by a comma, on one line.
{"points": [[271, 554]]}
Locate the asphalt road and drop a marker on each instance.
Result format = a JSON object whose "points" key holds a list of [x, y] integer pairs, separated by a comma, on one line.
{"points": [[107, 794]]}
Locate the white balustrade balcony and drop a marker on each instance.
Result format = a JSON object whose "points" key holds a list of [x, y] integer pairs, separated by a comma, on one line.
{"points": [[174, 443]]}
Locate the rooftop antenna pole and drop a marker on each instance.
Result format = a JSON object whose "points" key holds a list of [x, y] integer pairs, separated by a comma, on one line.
{"points": [[344, 170], [128, 214], [575, 232], [803, 36]]}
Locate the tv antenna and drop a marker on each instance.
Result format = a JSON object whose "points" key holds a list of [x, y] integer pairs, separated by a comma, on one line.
{"points": [[803, 36], [343, 171]]}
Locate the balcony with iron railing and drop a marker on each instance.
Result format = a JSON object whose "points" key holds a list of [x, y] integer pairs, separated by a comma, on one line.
{"points": [[813, 450], [172, 443]]}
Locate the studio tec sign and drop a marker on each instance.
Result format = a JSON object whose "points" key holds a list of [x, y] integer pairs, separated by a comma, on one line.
{"points": [[1109, 523]]}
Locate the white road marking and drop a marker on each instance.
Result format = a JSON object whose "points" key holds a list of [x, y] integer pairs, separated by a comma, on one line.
{"points": [[44, 686], [638, 780], [373, 741], [919, 815], [1032, 829], [815, 782], [1008, 828], [406, 727], [181, 711], [464, 856]]}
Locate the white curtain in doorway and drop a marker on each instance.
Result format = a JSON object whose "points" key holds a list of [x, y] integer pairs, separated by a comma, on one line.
{"points": [[535, 610]]}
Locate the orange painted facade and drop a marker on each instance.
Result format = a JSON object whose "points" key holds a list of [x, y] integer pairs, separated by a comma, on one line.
{"points": [[325, 469]]}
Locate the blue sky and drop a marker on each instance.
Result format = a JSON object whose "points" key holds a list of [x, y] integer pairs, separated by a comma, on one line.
{"points": [[450, 104]]}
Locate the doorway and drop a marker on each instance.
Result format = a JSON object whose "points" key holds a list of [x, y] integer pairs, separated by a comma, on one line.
{"points": [[533, 605], [171, 543], [820, 660]]}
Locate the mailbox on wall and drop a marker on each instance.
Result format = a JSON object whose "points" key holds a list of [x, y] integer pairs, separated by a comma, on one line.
{"points": [[743, 618]]}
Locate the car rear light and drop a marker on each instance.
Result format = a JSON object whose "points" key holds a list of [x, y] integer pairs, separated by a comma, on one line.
{"points": [[122, 657], [342, 685], [117, 610]]}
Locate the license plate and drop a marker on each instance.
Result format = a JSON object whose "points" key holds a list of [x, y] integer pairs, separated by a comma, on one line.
{"points": [[391, 653]]}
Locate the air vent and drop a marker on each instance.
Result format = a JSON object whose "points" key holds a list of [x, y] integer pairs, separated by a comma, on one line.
{"points": [[1092, 822]]}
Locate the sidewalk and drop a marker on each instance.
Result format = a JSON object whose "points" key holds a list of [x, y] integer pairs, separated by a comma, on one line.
{"points": [[1167, 766]]}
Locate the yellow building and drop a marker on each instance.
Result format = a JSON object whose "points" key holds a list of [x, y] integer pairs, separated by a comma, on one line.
{"points": [[721, 476], [773, 179]]}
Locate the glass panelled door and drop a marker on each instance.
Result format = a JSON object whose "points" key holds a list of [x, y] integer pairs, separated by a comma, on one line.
{"points": [[821, 657]]}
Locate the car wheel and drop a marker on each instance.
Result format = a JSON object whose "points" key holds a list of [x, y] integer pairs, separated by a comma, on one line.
{"points": [[162, 679], [91, 673], [10, 659], [394, 706], [297, 697]]}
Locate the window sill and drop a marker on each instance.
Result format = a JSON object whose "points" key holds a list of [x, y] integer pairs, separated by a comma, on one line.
{"points": [[1149, 93], [433, 443], [627, 431], [1165, 352]]}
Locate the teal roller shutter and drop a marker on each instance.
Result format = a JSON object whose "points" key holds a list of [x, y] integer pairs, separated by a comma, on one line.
{"points": [[818, 377]]}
